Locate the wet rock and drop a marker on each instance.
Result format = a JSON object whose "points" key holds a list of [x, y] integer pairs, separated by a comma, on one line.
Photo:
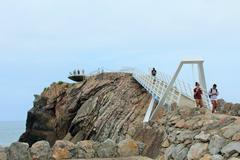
{"points": [[197, 151], [40, 150], [18, 151]]}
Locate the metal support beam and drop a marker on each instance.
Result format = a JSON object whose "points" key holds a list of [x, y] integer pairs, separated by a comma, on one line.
{"points": [[162, 100], [202, 82], [149, 110]]}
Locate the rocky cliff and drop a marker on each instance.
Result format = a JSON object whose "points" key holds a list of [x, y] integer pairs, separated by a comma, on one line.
{"points": [[102, 117], [104, 106]]}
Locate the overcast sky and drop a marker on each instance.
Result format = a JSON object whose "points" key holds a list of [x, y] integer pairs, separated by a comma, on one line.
{"points": [[41, 41]]}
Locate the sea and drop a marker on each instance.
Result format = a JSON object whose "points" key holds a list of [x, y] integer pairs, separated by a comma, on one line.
{"points": [[10, 131]]}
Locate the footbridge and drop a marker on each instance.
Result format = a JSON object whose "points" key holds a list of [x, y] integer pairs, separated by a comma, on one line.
{"points": [[166, 90]]}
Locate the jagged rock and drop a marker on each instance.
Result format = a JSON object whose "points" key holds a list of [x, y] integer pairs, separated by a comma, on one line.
{"points": [[234, 158], [231, 148], [128, 148], [229, 131], [63, 150], [169, 152], [180, 152], [217, 157], [180, 124], [216, 144], [18, 151], [206, 157], [99, 108], [107, 149], [197, 151], [202, 137], [86, 149], [151, 137], [185, 135], [3, 153], [40, 150], [166, 144], [236, 137]]}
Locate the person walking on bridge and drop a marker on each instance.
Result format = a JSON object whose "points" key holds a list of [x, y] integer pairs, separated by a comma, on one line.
{"points": [[154, 73], [198, 95], [213, 94]]}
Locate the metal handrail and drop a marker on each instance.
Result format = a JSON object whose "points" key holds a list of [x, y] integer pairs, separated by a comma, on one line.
{"points": [[162, 81]]}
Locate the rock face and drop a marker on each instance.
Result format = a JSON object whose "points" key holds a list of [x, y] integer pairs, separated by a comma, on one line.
{"points": [[102, 118], [3, 153], [102, 107]]}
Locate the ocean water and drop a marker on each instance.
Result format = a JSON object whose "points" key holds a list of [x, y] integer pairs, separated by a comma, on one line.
{"points": [[10, 131]]}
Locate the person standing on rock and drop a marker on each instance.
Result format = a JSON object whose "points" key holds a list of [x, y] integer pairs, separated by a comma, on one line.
{"points": [[213, 93], [154, 73], [198, 95]]}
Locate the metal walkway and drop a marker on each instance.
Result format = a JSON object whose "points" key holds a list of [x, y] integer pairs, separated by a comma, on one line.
{"points": [[180, 93]]}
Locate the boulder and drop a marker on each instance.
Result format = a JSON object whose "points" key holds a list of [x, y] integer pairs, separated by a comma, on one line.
{"points": [[3, 153], [216, 144], [206, 157], [169, 151], [234, 158], [107, 149], [217, 157], [180, 152], [236, 137], [202, 137], [19, 151], [165, 144], [180, 124], [230, 131], [63, 149], [185, 135], [197, 151], [85, 149], [128, 148], [231, 148], [40, 150]]}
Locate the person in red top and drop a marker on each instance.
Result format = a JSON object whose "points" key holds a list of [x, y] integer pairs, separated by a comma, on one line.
{"points": [[198, 95]]}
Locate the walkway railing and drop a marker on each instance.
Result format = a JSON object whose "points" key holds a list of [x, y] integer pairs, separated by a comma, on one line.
{"points": [[158, 87]]}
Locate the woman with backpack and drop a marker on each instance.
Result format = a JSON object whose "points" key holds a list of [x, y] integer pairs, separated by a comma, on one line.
{"points": [[213, 93]]}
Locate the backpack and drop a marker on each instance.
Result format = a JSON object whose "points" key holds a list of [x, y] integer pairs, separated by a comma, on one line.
{"points": [[211, 92]]}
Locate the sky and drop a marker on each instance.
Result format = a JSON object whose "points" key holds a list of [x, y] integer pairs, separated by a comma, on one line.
{"points": [[42, 41]]}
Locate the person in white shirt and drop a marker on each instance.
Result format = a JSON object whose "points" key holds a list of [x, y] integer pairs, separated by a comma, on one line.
{"points": [[213, 94]]}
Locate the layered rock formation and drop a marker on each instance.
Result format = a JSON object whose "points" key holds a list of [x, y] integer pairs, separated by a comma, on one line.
{"points": [[102, 117], [104, 106]]}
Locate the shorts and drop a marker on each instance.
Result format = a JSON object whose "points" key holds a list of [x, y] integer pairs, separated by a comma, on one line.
{"points": [[214, 102], [199, 102]]}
